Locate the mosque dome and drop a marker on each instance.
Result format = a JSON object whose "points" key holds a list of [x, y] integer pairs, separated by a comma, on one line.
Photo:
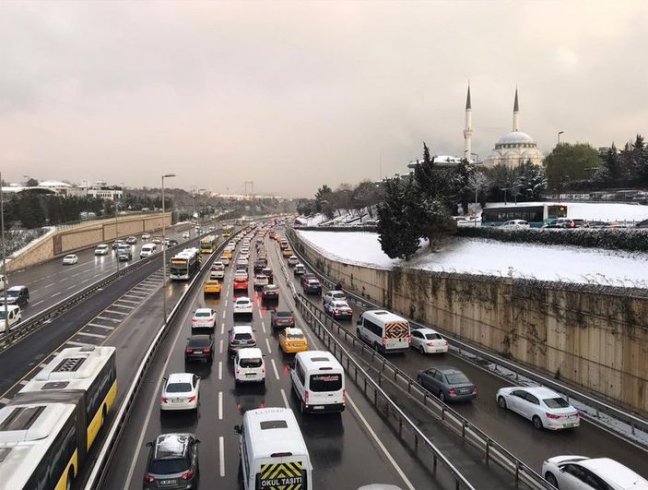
{"points": [[515, 138]]}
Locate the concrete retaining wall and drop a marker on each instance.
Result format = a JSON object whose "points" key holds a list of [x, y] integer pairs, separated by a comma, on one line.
{"points": [[68, 239], [595, 338]]}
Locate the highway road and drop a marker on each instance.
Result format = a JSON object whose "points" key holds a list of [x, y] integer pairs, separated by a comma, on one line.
{"points": [[515, 433]]}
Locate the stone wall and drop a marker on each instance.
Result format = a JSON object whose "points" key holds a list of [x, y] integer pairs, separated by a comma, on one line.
{"points": [[67, 239], [592, 337]]}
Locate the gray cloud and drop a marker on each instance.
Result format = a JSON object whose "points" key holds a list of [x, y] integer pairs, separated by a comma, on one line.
{"points": [[292, 95]]}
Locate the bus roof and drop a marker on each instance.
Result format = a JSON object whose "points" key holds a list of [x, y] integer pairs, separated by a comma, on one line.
{"points": [[76, 363], [383, 316], [26, 433]]}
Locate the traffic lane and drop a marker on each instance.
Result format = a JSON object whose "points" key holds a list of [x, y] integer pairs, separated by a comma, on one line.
{"points": [[216, 419], [514, 432], [51, 282]]}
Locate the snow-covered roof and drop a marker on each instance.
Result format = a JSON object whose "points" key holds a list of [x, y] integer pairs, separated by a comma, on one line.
{"points": [[514, 138]]}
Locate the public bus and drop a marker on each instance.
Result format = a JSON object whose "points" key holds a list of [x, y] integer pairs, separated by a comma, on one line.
{"points": [[47, 429], [208, 244], [536, 214], [227, 231], [184, 265]]}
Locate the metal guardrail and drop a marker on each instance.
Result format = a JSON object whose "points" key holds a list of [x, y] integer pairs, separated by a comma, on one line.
{"points": [[408, 431], [98, 473], [600, 406]]}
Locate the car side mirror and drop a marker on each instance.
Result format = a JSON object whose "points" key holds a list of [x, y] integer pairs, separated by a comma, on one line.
{"points": [[358, 322], [237, 429], [149, 444], [196, 441]]}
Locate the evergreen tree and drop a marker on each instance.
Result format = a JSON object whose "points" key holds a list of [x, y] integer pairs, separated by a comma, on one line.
{"points": [[609, 171], [397, 233]]}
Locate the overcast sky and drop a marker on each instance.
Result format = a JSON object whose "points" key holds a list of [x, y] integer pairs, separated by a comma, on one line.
{"points": [[293, 95]]}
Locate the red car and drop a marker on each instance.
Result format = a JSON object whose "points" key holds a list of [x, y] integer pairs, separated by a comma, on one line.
{"points": [[240, 283]]}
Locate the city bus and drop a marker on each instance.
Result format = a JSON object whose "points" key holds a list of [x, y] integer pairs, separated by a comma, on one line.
{"points": [[208, 244], [227, 231], [47, 429], [91, 370], [536, 214], [184, 265]]}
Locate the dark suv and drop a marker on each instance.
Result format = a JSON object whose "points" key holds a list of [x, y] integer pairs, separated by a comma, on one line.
{"points": [[312, 286], [17, 295], [200, 348], [173, 462], [282, 319]]}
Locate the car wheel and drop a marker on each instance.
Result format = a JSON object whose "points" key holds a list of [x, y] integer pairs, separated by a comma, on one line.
{"points": [[501, 402], [421, 349], [551, 479], [302, 406], [537, 423]]}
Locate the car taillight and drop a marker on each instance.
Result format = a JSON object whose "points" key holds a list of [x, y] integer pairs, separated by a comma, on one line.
{"points": [[474, 390], [192, 398], [552, 416], [188, 350], [306, 397], [165, 399], [452, 392], [149, 478], [409, 339], [187, 475], [384, 341], [207, 350]]}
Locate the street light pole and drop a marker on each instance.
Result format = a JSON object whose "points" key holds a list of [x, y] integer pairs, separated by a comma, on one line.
{"points": [[164, 265], [117, 232], [4, 259]]}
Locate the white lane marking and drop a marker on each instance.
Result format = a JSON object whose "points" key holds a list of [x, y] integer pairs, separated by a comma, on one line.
{"points": [[56, 294], [100, 326], [92, 334], [49, 285], [222, 328], [148, 415], [38, 302], [283, 395], [220, 370], [220, 348], [263, 326], [274, 368], [224, 312], [379, 443], [268, 344], [225, 306], [79, 344], [70, 287], [221, 450], [220, 405], [115, 312]]}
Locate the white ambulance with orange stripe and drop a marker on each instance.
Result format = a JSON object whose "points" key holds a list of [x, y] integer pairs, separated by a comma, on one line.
{"points": [[384, 331]]}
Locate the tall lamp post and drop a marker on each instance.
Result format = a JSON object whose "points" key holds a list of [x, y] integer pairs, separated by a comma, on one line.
{"points": [[117, 230], [4, 259], [164, 265]]}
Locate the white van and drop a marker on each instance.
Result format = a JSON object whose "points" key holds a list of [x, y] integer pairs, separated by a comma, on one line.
{"points": [[384, 331], [273, 451], [318, 381], [148, 249], [249, 366], [9, 317]]}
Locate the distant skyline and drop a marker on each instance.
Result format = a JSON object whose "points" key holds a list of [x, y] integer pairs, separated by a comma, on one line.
{"points": [[294, 95]]}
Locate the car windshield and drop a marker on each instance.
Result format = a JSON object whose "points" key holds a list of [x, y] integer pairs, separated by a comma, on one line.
{"points": [[284, 314], [178, 387], [11, 293], [250, 363], [243, 336], [168, 466], [456, 378], [198, 342], [295, 336], [557, 402], [243, 303]]}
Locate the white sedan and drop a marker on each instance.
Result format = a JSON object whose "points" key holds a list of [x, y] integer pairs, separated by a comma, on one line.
{"points": [[204, 318], [293, 260], [70, 259], [542, 406], [582, 473], [180, 392], [243, 306], [260, 280], [428, 341]]}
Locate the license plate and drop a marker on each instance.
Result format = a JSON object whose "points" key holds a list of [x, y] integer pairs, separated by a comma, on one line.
{"points": [[197, 352], [167, 482], [464, 390], [318, 408]]}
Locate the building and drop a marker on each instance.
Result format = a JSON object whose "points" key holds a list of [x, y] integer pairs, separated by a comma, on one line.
{"points": [[515, 148]]}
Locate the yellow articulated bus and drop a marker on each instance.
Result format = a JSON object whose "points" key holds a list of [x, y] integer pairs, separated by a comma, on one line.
{"points": [[208, 244], [47, 429]]}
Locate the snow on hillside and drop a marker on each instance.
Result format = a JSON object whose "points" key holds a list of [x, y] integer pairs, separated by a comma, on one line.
{"points": [[490, 257]]}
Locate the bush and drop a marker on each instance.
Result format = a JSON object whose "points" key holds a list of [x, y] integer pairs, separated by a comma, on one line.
{"points": [[629, 239]]}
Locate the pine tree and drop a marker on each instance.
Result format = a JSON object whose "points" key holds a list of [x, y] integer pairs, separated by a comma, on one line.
{"points": [[398, 234]]}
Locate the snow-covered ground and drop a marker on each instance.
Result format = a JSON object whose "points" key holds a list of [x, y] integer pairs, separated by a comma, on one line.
{"points": [[490, 257]]}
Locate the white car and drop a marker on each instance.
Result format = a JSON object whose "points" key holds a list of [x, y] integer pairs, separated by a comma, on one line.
{"points": [[260, 280], [217, 273], [243, 306], [101, 249], [204, 318], [70, 259], [249, 366], [146, 236], [180, 392], [515, 224], [243, 261], [339, 309], [581, 473], [10, 316], [224, 260], [428, 341], [333, 294], [542, 406], [293, 260]]}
